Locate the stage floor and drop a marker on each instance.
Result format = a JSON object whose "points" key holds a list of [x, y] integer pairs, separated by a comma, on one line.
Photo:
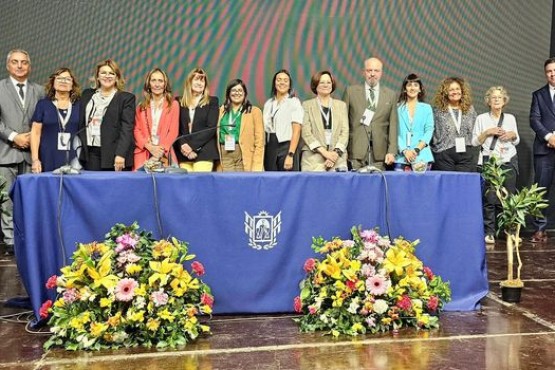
{"points": [[499, 336]]}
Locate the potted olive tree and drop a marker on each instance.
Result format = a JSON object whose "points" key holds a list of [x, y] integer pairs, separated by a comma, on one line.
{"points": [[528, 201]]}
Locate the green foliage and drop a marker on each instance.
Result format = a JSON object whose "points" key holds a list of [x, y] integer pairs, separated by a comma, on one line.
{"points": [[528, 201]]}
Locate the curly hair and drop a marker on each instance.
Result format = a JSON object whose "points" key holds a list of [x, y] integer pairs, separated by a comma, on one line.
{"points": [[441, 99], [75, 92]]}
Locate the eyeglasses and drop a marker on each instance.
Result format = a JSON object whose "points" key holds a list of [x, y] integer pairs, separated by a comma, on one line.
{"points": [[237, 91], [64, 79]]}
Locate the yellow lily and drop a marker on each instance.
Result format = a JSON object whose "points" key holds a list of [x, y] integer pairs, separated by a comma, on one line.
{"points": [[161, 271], [396, 260], [102, 274]]}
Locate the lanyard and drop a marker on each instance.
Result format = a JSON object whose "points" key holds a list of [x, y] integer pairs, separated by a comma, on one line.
{"points": [[456, 120], [325, 115], [61, 119], [232, 118]]}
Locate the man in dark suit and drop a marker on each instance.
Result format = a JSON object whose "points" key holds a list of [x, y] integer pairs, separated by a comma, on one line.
{"points": [[542, 121], [372, 120], [18, 98]]}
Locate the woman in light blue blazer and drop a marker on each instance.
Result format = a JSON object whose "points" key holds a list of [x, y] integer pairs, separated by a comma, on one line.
{"points": [[416, 127]]}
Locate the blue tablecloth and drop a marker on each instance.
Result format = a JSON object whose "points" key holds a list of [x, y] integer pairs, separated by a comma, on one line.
{"points": [[227, 217]]}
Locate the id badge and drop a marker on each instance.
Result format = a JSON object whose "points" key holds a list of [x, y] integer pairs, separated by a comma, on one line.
{"points": [[367, 117], [409, 139], [95, 127], [63, 140], [328, 137], [155, 139], [229, 144], [460, 145]]}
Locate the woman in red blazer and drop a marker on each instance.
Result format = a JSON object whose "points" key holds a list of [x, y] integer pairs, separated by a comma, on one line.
{"points": [[156, 120]]}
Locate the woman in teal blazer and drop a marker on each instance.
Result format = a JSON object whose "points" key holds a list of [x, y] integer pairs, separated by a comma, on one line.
{"points": [[416, 127]]}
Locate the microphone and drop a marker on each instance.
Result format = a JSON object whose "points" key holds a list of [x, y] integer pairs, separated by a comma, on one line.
{"points": [[174, 168], [68, 168], [369, 168]]}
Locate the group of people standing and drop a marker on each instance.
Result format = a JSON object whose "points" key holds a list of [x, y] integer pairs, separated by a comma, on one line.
{"points": [[102, 129]]}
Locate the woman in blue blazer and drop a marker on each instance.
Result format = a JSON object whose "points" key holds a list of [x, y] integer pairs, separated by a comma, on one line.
{"points": [[416, 127]]}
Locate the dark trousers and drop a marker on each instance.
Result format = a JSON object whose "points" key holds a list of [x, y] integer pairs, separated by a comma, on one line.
{"points": [[544, 166], [275, 154], [450, 160], [492, 205], [94, 161]]}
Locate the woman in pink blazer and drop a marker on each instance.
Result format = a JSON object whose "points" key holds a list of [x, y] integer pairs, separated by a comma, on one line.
{"points": [[156, 120]]}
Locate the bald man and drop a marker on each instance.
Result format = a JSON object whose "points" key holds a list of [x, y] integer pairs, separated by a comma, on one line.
{"points": [[373, 121]]}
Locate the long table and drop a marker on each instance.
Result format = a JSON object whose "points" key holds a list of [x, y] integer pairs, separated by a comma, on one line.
{"points": [[252, 231]]}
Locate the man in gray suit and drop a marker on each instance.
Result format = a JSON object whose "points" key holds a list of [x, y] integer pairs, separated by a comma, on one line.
{"points": [[372, 120], [18, 98]]}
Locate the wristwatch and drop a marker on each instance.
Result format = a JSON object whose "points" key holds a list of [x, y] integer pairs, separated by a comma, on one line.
{"points": [[417, 150], [338, 151], [290, 154]]}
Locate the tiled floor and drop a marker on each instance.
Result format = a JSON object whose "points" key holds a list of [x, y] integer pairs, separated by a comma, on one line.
{"points": [[499, 336]]}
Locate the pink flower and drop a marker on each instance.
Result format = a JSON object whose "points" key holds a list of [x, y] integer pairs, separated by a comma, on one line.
{"points": [[428, 272], [125, 242], [71, 295], [312, 310], [433, 302], [348, 243], [125, 290], [198, 268], [207, 299], [371, 322], [368, 270], [44, 309], [376, 285], [369, 236], [404, 303], [309, 265], [160, 298], [51, 282], [298, 304]]}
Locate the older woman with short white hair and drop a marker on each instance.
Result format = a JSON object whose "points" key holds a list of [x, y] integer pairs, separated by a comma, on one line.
{"points": [[496, 132]]}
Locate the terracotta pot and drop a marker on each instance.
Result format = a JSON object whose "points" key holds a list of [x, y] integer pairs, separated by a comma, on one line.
{"points": [[511, 294]]}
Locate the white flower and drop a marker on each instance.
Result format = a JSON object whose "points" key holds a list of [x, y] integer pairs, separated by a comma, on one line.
{"points": [[324, 318], [85, 341], [380, 306], [120, 336], [318, 302], [416, 303], [139, 302], [353, 307]]}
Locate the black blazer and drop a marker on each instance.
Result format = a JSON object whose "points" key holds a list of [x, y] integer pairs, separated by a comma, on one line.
{"points": [[202, 139], [116, 130]]}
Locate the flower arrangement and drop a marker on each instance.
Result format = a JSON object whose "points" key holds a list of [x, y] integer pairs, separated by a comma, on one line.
{"points": [[127, 291], [368, 284]]}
